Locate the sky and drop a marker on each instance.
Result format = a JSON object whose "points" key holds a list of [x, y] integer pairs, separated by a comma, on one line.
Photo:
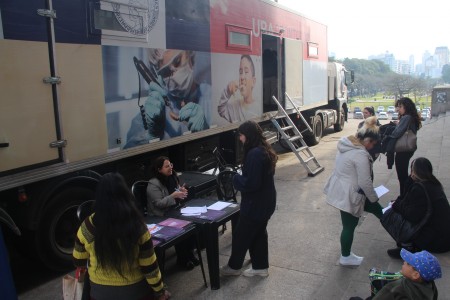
{"points": [[358, 29]]}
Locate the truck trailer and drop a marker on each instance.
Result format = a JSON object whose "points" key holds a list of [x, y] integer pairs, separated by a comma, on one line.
{"points": [[95, 86]]}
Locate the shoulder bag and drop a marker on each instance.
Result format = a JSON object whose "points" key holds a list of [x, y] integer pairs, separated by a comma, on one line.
{"points": [[407, 142], [73, 286], [401, 230]]}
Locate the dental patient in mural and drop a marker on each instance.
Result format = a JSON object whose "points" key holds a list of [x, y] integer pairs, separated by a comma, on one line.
{"points": [[237, 102], [176, 101]]}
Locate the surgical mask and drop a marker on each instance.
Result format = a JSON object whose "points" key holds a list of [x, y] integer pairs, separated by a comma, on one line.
{"points": [[180, 83]]}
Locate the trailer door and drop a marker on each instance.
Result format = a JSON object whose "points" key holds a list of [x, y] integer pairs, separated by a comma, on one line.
{"points": [[27, 111], [293, 71]]}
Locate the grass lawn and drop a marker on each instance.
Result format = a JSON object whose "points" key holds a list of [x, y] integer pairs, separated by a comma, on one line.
{"points": [[379, 101]]}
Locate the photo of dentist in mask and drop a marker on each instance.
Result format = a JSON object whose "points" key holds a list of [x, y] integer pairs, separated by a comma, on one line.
{"points": [[175, 103]]}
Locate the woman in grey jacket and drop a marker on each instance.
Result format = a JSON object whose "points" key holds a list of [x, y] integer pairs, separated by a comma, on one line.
{"points": [[164, 192], [350, 187]]}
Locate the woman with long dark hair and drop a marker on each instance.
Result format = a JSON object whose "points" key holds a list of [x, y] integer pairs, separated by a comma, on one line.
{"points": [[163, 193], [116, 243], [258, 200], [409, 119], [434, 236]]}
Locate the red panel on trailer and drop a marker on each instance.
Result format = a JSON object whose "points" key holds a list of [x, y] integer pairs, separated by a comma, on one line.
{"points": [[261, 17]]}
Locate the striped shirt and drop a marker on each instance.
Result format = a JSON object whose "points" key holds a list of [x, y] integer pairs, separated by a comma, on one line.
{"points": [[145, 266]]}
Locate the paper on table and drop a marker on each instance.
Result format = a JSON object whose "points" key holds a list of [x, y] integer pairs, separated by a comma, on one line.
{"points": [[381, 190], [219, 205], [193, 210]]}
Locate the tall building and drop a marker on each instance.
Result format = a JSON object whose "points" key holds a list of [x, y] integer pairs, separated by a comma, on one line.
{"points": [[442, 55], [411, 65]]}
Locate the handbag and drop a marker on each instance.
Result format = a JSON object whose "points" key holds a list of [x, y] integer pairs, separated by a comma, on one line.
{"points": [[378, 279], [401, 230], [73, 286], [407, 142]]}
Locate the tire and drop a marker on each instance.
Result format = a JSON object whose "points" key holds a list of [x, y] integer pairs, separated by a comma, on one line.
{"points": [[58, 227], [284, 144], [340, 125], [314, 138]]}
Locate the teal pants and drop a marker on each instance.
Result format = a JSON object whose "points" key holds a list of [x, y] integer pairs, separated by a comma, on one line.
{"points": [[349, 223]]}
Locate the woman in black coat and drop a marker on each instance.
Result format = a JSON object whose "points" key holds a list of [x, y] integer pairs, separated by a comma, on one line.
{"points": [[258, 201], [409, 119], [434, 236]]}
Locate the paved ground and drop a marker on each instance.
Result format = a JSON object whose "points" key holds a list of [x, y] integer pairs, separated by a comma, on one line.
{"points": [[304, 234]]}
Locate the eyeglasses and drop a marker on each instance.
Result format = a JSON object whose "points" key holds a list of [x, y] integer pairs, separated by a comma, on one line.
{"points": [[168, 166]]}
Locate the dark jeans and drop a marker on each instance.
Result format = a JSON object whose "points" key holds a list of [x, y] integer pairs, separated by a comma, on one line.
{"points": [[401, 166], [252, 236]]}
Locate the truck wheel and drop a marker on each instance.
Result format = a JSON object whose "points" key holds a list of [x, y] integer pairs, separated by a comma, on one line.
{"points": [[314, 138], [57, 231], [284, 144], [340, 125]]}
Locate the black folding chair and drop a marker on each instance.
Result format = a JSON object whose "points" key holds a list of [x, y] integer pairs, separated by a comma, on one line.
{"points": [[139, 190], [84, 211], [225, 186]]}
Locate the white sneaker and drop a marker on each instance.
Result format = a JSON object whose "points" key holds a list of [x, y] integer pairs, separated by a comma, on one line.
{"points": [[227, 271], [250, 272], [351, 260]]}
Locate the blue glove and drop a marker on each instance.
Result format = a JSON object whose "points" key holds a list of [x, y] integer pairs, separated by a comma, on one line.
{"points": [[193, 114], [155, 113], [155, 117]]}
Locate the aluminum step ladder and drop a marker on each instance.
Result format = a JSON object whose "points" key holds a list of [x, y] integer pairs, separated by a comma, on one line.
{"points": [[296, 142]]}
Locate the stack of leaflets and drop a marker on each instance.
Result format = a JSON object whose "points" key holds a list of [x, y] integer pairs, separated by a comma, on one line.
{"points": [[166, 230]]}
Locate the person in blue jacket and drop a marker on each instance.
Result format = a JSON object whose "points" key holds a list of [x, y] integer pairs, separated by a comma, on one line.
{"points": [[258, 200]]}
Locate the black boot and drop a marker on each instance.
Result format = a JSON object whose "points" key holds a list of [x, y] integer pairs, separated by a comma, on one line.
{"points": [[193, 259], [187, 265], [394, 253]]}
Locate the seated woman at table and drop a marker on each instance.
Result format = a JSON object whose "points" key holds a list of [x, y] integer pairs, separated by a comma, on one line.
{"points": [[163, 193]]}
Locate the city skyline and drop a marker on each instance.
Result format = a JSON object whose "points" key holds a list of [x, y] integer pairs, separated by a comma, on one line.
{"points": [[400, 27]]}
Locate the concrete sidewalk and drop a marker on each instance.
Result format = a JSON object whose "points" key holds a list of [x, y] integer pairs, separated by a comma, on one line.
{"points": [[304, 234]]}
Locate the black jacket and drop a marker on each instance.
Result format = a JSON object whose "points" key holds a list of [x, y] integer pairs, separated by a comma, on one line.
{"points": [[257, 187], [434, 236]]}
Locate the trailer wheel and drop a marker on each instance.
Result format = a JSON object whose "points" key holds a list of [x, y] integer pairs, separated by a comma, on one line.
{"points": [[340, 125], [314, 138], [284, 144], [57, 231]]}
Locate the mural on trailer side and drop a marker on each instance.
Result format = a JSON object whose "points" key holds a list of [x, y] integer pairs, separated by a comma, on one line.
{"points": [[171, 92], [169, 96], [237, 87]]}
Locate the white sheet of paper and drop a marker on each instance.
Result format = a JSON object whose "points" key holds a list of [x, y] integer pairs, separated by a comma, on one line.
{"points": [[381, 190], [387, 207], [194, 210], [219, 205]]}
